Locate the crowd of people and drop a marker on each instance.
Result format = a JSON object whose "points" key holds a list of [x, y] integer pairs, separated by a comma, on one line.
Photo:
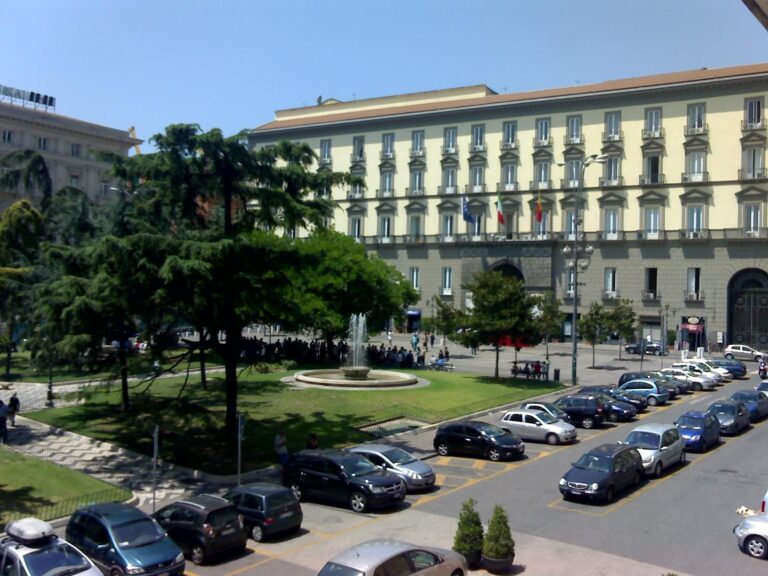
{"points": [[536, 370]]}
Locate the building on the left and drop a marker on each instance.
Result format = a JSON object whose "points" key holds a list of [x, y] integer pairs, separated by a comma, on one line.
{"points": [[68, 146]]}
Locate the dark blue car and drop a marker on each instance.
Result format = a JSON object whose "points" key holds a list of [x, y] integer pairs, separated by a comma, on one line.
{"points": [[700, 430], [736, 368], [757, 403]]}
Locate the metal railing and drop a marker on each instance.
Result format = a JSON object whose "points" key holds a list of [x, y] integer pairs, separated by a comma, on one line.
{"points": [[62, 508]]}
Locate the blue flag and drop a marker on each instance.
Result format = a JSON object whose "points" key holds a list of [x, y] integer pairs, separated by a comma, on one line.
{"points": [[468, 216]]}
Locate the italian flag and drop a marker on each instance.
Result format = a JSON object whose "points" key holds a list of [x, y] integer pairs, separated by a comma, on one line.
{"points": [[499, 212]]}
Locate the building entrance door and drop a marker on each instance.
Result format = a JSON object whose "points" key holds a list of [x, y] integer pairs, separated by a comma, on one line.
{"points": [[748, 308]]}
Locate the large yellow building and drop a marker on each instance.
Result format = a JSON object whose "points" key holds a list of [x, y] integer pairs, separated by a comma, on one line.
{"points": [[465, 179]]}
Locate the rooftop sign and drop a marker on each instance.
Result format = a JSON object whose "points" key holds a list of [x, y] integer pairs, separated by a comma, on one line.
{"points": [[26, 98]]}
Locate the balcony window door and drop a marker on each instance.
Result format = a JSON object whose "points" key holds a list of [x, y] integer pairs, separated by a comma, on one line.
{"points": [[653, 169], [541, 229], [325, 150], [449, 180], [613, 125], [696, 166], [414, 225], [449, 139], [357, 227], [696, 118], [694, 219], [611, 223], [694, 283], [542, 174], [542, 130], [752, 219], [652, 221], [476, 227], [573, 173], [386, 227], [448, 225], [651, 281], [569, 217], [754, 112], [388, 145], [477, 176], [509, 175], [612, 170], [417, 142], [653, 122], [574, 129], [509, 134], [358, 147], [417, 181], [478, 137], [387, 183], [754, 162]]}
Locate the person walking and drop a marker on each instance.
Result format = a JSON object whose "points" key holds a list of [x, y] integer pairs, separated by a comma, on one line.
{"points": [[3, 423], [13, 408], [281, 447]]}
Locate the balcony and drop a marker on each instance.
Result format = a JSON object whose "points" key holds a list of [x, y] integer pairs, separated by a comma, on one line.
{"points": [[694, 177], [573, 140], [509, 144], [417, 152], [474, 188], [613, 136], [387, 155], [506, 187], [568, 295], [754, 233], [356, 194], [653, 133], [325, 160], [651, 234], [653, 180], [357, 158], [385, 193], [754, 174], [477, 147], [447, 190], [610, 294], [542, 142], [693, 296], [747, 125], [611, 182], [448, 238], [449, 150], [693, 130], [411, 192], [570, 184], [385, 239], [415, 239], [610, 236], [694, 234], [650, 296], [541, 185], [446, 291]]}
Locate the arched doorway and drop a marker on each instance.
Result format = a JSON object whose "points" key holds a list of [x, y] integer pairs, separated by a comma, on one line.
{"points": [[748, 308], [508, 270]]}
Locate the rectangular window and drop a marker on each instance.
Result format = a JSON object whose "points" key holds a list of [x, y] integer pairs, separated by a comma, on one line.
{"points": [[696, 166], [695, 219], [653, 122], [449, 180], [358, 148], [609, 284], [388, 182], [694, 282], [695, 118], [447, 280], [541, 229], [414, 223], [509, 176], [754, 162], [569, 217], [753, 111], [613, 125], [478, 137], [74, 180], [449, 139], [612, 169], [573, 124], [448, 225], [386, 227], [651, 280], [7, 136], [417, 181], [417, 142], [388, 145], [653, 169], [542, 130], [74, 150], [569, 281], [509, 134], [325, 150], [611, 223], [357, 227], [414, 274], [573, 172], [752, 219], [652, 221], [542, 172], [104, 188], [42, 143], [477, 175]]}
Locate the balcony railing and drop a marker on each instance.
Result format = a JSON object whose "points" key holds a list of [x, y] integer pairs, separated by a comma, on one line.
{"points": [[570, 183], [755, 233], [613, 136], [417, 152], [694, 234], [610, 236], [611, 182], [449, 150], [387, 155], [447, 189], [754, 125], [651, 234], [652, 180], [506, 187], [541, 185], [474, 188], [415, 239], [385, 193], [357, 157], [754, 174], [325, 160], [696, 130], [610, 294], [509, 144], [573, 139], [542, 142], [650, 295], [694, 177], [693, 296], [477, 147], [568, 294], [356, 194], [414, 191], [651, 133]]}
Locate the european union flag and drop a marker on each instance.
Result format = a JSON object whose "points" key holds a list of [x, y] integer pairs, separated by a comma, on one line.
{"points": [[468, 216]]}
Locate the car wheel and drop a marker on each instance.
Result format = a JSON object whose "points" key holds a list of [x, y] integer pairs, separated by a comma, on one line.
{"points": [[698, 387], [442, 449], [652, 401], [257, 534], [729, 356], [658, 352], [588, 423], [756, 546], [553, 439], [612, 417], [197, 554], [657, 470], [116, 572], [494, 455], [298, 491], [609, 494], [358, 502], [457, 572]]}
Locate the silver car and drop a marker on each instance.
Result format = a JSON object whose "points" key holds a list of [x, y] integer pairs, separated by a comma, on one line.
{"points": [[395, 557], [742, 352], [698, 381], [417, 474], [660, 446], [538, 425], [752, 535]]}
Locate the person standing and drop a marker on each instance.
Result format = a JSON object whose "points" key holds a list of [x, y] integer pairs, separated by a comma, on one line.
{"points": [[281, 448], [3, 423], [313, 443], [13, 408]]}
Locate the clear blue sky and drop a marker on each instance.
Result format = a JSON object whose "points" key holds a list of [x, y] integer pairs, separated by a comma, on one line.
{"points": [[232, 63]]}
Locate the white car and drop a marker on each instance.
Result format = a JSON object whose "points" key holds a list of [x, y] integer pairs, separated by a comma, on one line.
{"points": [[538, 425], [696, 368], [698, 382], [704, 363]]}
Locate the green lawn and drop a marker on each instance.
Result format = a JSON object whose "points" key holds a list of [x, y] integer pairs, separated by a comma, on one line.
{"points": [[32, 487], [191, 424]]}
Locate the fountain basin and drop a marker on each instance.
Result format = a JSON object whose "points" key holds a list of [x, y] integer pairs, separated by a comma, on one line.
{"points": [[373, 378], [356, 372]]}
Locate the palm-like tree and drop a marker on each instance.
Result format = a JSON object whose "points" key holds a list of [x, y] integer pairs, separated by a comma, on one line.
{"points": [[28, 168]]}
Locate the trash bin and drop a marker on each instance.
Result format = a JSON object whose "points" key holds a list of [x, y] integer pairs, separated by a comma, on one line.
{"points": [[557, 374]]}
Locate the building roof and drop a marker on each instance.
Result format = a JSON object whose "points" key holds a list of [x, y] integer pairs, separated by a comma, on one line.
{"points": [[480, 96]]}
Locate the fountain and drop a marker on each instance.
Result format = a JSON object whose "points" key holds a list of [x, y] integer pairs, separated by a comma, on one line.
{"points": [[356, 373]]}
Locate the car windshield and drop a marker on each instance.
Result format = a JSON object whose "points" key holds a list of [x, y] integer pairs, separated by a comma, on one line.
{"points": [[546, 418], [722, 409], [489, 430], [398, 456], [357, 466], [333, 569], [647, 440], [281, 499], [57, 560], [137, 533], [592, 462], [743, 396], [691, 422]]}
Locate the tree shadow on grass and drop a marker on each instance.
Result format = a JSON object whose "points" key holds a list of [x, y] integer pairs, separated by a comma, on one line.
{"points": [[19, 502]]}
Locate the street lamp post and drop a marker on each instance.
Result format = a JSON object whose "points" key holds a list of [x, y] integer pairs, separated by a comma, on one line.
{"points": [[576, 251]]}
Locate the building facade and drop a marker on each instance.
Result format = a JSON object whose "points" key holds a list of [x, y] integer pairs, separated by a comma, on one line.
{"points": [[459, 181], [67, 145]]}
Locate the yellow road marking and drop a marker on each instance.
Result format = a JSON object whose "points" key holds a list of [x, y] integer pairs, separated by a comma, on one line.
{"points": [[479, 464]]}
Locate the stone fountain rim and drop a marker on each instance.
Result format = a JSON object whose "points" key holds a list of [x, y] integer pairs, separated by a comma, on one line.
{"points": [[376, 379]]}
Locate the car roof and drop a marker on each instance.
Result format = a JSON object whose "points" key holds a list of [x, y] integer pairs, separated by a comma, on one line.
{"points": [[653, 428], [582, 395], [531, 411], [373, 448], [695, 414], [371, 553], [114, 512], [325, 452], [608, 450], [259, 488], [205, 502]]}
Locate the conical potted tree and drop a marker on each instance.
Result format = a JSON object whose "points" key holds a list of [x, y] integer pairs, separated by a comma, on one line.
{"points": [[498, 545], [468, 540]]}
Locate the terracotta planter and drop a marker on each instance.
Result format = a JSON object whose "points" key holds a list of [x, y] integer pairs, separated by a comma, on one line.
{"points": [[498, 565]]}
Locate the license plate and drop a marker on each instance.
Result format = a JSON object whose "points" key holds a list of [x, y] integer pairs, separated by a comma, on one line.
{"points": [[227, 531], [576, 492], [286, 514]]}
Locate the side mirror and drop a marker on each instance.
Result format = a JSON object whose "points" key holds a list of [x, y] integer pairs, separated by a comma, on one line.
{"points": [[103, 547], [663, 448], [538, 423]]}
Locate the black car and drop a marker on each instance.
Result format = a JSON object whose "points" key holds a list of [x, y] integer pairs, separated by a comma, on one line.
{"points": [[267, 509], [735, 367], [342, 477], [682, 386], [640, 403], [645, 347], [732, 415], [476, 438], [203, 526], [616, 410], [602, 472], [585, 410]]}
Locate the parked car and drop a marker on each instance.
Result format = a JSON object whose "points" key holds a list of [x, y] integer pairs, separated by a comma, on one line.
{"points": [[627, 376], [342, 476], [30, 548], [585, 410], [706, 364], [762, 387], [645, 347], [476, 438], [653, 390], [698, 381], [121, 539], [603, 472], [752, 536], [391, 557], [742, 352], [267, 509], [417, 474], [203, 526], [756, 402], [698, 369], [639, 402], [670, 381], [700, 430], [735, 367], [733, 416], [547, 407], [660, 446], [617, 411], [539, 426]]}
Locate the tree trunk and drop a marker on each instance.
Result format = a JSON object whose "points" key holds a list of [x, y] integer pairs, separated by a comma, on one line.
{"points": [[496, 371], [201, 342], [10, 348], [593, 355], [620, 348], [546, 343], [123, 360]]}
